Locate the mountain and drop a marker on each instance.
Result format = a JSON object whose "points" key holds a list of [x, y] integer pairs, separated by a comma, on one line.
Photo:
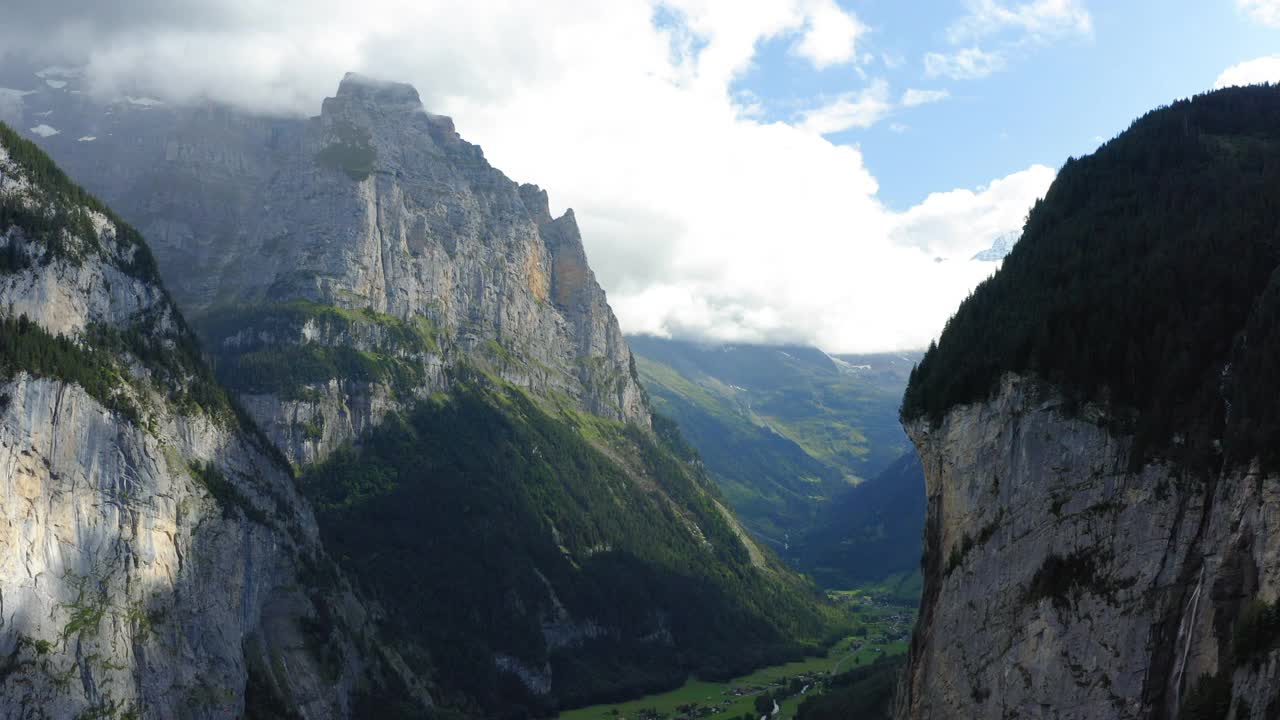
{"points": [[804, 445], [1099, 436], [155, 554], [531, 560], [999, 249], [428, 349], [335, 265], [782, 428], [868, 532]]}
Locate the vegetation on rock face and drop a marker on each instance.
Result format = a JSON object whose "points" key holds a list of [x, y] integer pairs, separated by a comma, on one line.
{"points": [[61, 222], [1141, 281], [352, 153], [262, 349], [1256, 631], [287, 369], [1252, 384], [25, 346], [54, 224], [261, 324], [489, 529], [1208, 699], [227, 495]]}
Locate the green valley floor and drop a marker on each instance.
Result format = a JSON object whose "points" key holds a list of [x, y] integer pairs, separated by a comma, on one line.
{"points": [[883, 629]]}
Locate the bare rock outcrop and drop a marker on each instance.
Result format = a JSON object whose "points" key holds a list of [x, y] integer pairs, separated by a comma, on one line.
{"points": [[1058, 583]]}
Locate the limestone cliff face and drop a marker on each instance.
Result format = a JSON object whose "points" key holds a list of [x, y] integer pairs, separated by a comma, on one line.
{"points": [[372, 205], [1059, 584], [153, 553]]}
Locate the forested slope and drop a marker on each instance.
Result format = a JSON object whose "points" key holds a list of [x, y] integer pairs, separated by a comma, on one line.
{"points": [[1145, 279]]}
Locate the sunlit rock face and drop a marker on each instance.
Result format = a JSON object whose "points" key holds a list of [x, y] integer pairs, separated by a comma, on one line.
{"points": [[374, 205]]}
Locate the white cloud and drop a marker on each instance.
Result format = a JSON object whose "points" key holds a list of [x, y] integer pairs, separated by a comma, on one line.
{"points": [[699, 218], [11, 105], [1038, 21], [1011, 28], [852, 278], [1251, 72], [958, 223], [864, 108], [830, 36], [1266, 12], [860, 109], [966, 64], [914, 97]]}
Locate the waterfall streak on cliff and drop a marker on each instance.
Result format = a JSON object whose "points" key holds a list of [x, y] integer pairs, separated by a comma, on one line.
{"points": [[1186, 629]]}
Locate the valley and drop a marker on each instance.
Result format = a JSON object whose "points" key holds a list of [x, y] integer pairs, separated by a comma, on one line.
{"points": [[843, 369], [806, 447], [881, 633]]}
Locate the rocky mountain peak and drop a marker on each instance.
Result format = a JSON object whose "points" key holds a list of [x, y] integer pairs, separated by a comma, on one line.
{"points": [[371, 234], [536, 202], [383, 93]]}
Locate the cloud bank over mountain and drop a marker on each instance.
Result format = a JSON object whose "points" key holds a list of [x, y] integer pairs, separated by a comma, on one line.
{"points": [[1251, 72], [701, 219]]}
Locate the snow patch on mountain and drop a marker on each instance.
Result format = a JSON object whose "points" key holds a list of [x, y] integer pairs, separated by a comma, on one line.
{"points": [[1000, 247]]}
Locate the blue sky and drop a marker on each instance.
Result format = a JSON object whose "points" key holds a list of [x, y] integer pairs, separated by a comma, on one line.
{"points": [[1053, 99]]}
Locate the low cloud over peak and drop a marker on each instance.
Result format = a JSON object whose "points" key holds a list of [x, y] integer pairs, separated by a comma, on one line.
{"points": [[701, 219]]}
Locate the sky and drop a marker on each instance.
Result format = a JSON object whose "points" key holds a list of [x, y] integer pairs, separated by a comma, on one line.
{"points": [[782, 171]]}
